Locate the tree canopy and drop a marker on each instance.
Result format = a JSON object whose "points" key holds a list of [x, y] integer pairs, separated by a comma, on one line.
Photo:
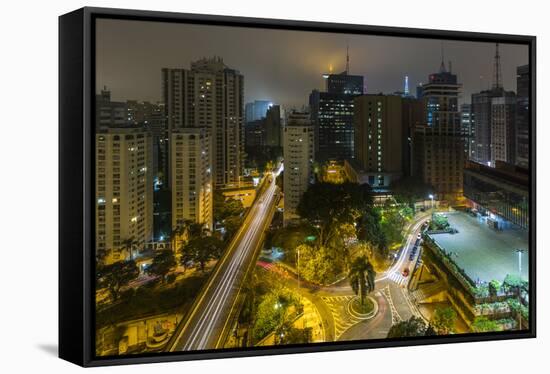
{"points": [[116, 275]]}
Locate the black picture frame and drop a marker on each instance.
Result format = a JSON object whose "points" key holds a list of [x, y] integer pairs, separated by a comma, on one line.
{"points": [[76, 194]]}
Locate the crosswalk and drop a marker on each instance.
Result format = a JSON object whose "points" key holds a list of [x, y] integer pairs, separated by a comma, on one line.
{"points": [[397, 278], [342, 319]]}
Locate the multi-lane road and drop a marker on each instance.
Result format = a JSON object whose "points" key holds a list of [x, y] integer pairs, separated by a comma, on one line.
{"points": [[211, 314]]}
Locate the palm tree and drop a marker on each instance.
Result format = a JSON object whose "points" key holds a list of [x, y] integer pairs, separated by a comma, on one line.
{"points": [[361, 277]]}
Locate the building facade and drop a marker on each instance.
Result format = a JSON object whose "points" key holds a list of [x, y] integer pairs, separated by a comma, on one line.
{"points": [[378, 133], [332, 115], [110, 113], [467, 121], [298, 150], [209, 95], [522, 117], [501, 191], [124, 191], [503, 129], [256, 110], [191, 183], [438, 145]]}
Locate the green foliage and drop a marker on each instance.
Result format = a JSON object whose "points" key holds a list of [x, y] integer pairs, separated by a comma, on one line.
{"points": [[439, 222], [272, 313], [317, 264], [444, 320], [148, 301], [163, 262], [115, 276], [361, 277], [415, 326], [494, 288], [392, 222], [409, 190], [483, 324], [326, 206], [289, 334], [224, 208], [200, 250], [370, 230]]}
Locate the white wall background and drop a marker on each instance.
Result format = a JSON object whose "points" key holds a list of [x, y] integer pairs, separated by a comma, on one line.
{"points": [[28, 187]]}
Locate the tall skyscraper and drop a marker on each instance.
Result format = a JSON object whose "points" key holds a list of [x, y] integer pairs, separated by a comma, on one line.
{"points": [[438, 145], [503, 129], [273, 126], [378, 121], [298, 151], [467, 120], [124, 191], [332, 115], [482, 109], [256, 110], [522, 117], [210, 95], [191, 183]]}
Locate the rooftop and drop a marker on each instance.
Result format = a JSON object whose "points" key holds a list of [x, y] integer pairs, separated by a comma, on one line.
{"points": [[483, 252]]}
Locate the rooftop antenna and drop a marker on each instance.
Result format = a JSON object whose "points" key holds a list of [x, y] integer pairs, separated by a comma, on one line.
{"points": [[442, 67], [497, 73], [347, 59]]}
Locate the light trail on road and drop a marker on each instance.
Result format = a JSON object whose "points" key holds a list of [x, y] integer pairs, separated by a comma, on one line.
{"points": [[210, 314]]}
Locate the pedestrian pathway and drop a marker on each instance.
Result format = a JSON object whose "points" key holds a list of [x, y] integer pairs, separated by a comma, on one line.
{"points": [[395, 317], [397, 278]]}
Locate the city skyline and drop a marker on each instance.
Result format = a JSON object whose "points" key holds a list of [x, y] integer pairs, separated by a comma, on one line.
{"points": [[289, 64], [228, 221]]}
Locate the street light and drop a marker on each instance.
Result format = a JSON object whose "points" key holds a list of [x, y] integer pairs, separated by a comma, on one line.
{"points": [[519, 252], [432, 198]]}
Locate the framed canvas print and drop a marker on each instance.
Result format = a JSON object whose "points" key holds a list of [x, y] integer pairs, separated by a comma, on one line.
{"points": [[237, 186]]}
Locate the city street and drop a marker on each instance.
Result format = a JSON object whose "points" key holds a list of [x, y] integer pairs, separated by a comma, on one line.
{"points": [[208, 319]]}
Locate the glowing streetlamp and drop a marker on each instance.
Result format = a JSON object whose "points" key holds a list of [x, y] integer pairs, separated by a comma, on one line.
{"points": [[519, 252], [432, 199]]}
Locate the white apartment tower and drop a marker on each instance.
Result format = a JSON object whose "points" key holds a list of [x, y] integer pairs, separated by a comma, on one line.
{"points": [[209, 95], [191, 182], [298, 149], [124, 191]]}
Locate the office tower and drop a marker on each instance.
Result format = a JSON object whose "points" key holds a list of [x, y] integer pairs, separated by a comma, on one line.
{"points": [[124, 191], [503, 129], [382, 130], [254, 134], [273, 128], [467, 121], [482, 111], [210, 95], [378, 121], [256, 110], [522, 117], [332, 115], [191, 182], [109, 113], [437, 145], [298, 148]]}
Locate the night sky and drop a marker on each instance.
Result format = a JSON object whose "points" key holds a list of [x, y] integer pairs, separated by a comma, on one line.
{"points": [[284, 66]]}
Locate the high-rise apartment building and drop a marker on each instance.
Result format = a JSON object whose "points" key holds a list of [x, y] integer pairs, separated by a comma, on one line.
{"points": [[273, 126], [191, 182], [298, 148], [438, 145], [522, 117], [503, 129], [110, 113], [124, 191], [209, 95], [467, 121]]}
